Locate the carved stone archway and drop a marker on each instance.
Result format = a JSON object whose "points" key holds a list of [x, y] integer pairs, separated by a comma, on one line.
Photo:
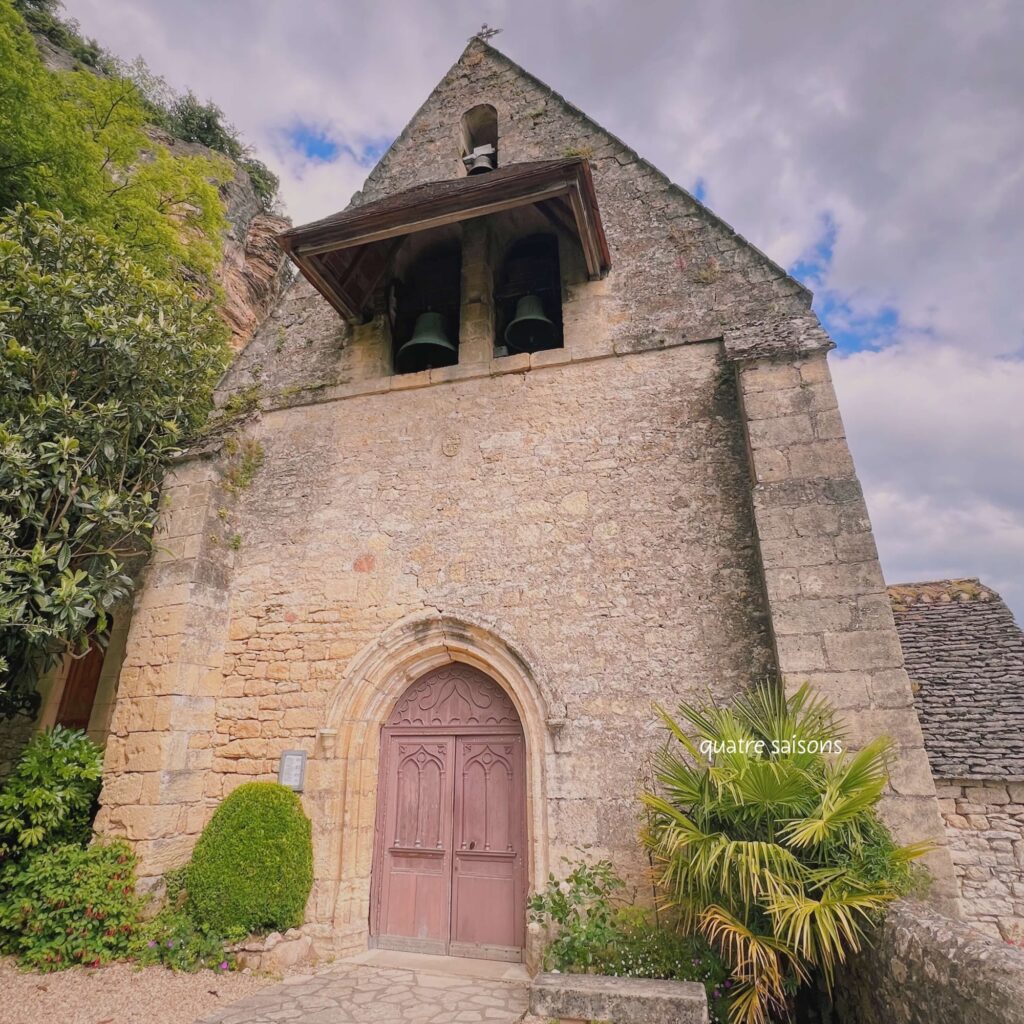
{"points": [[349, 751]]}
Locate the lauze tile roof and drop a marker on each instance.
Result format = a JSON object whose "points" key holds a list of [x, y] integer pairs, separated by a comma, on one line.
{"points": [[965, 656]]}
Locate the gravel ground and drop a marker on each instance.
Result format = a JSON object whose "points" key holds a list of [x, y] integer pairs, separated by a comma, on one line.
{"points": [[119, 994]]}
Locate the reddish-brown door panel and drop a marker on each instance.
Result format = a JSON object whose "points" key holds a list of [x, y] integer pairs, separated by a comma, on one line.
{"points": [[80, 685], [449, 868], [487, 869], [415, 846]]}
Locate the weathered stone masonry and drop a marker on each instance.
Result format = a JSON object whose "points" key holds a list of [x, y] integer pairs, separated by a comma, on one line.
{"points": [[830, 613], [665, 504]]}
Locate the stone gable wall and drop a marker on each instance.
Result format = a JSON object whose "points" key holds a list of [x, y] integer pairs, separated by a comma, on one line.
{"points": [[678, 272]]}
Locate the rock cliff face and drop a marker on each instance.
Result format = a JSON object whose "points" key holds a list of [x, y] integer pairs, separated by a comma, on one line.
{"points": [[253, 271], [253, 274]]}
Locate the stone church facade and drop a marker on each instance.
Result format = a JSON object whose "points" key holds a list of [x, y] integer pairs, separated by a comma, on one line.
{"points": [[656, 502]]}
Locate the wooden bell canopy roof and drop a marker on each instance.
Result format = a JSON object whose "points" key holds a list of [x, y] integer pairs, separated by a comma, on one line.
{"points": [[345, 256]]}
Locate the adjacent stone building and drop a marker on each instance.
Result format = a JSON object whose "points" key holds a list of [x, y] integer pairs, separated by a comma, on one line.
{"points": [[965, 656], [458, 575]]}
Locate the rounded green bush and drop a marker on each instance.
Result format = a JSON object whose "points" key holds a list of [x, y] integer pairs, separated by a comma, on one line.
{"points": [[252, 869]]}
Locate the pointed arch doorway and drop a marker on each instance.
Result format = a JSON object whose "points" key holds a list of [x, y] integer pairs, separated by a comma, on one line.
{"points": [[449, 867]]}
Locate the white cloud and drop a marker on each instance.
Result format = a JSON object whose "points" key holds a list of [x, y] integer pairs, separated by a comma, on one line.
{"points": [[938, 437], [315, 188], [900, 122]]}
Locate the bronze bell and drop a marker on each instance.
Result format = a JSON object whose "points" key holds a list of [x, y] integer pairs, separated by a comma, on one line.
{"points": [[428, 347], [480, 160], [531, 330]]}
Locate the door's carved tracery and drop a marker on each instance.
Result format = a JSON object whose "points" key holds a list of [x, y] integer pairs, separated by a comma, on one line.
{"points": [[456, 695]]}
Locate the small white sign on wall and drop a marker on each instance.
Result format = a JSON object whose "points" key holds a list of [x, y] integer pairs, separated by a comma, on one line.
{"points": [[291, 771]]}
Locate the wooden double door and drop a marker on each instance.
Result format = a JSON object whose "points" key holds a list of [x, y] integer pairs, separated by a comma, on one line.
{"points": [[449, 866]]}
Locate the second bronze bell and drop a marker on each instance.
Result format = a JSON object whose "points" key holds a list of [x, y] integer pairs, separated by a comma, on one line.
{"points": [[531, 330]]}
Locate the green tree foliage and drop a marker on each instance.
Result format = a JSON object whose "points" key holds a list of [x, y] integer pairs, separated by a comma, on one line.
{"points": [[50, 797], [252, 868], [69, 905], [75, 142], [186, 117], [43, 16], [104, 367], [768, 845]]}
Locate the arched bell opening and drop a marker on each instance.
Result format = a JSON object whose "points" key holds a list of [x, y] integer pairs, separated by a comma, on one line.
{"points": [[423, 300], [528, 295], [450, 858], [479, 127]]}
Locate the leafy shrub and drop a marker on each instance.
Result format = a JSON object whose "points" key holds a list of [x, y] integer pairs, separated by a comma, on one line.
{"points": [[42, 17], [584, 907], [77, 142], [69, 905], [104, 368], [186, 117], [50, 798], [265, 182], [769, 845], [174, 939], [252, 868], [599, 930]]}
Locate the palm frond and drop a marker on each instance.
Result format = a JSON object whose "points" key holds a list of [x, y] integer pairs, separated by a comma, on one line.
{"points": [[824, 931], [767, 711], [853, 786]]}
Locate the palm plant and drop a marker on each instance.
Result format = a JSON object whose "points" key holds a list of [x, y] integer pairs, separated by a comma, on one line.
{"points": [[764, 836]]}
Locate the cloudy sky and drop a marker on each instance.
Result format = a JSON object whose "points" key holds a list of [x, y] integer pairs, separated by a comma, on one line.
{"points": [[874, 148]]}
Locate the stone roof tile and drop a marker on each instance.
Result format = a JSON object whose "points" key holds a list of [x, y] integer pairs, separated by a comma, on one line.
{"points": [[965, 656]]}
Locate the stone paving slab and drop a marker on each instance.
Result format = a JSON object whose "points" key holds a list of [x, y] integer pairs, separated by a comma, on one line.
{"points": [[368, 993]]}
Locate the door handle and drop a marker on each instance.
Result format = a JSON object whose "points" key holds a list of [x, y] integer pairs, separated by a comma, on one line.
{"points": [[472, 845]]}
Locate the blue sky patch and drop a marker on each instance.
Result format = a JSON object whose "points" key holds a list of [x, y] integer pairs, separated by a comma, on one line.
{"points": [[371, 150], [856, 330], [810, 269], [853, 330], [315, 143]]}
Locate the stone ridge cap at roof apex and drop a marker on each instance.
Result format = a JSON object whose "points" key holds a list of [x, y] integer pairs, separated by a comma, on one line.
{"points": [[484, 47], [956, 590]]}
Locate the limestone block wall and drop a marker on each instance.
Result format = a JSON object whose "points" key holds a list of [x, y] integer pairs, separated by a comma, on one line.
{"points": [[923, 967], [985, 828], [607, 508], [158, 752], [831, 617], [598, 509]]}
